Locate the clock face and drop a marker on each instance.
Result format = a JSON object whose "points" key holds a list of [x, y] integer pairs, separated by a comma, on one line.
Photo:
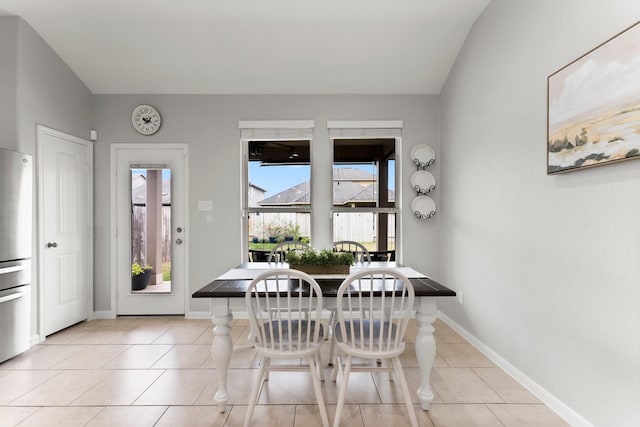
{"points": [[146, 119]]}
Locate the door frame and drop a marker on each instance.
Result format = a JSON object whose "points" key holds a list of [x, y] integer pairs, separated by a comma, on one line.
{"points": [[40, 131], [114, 215]]}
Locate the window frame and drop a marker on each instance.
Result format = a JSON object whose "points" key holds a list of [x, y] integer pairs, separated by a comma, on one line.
{"points": [[271, 130]]}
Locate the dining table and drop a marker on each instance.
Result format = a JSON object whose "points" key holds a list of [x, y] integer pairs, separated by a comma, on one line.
{"points": [[227, 295]]}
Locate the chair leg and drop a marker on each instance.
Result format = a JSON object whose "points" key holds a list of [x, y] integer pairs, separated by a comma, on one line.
{"points": [[405, 390], [313, 367], [253, 399], [332, 343], [343, 391]]}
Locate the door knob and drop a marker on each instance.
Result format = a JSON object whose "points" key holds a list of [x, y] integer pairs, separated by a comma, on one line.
{"points": [[178, 241], [52, 245]]}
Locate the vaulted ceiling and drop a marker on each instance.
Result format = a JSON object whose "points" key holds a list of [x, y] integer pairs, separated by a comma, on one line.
{"points": [[254, 46]]}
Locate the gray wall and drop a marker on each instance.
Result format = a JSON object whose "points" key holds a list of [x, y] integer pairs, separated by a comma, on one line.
{"points": [[8, 82], [36, 87], [548, 264], [209, 124]]}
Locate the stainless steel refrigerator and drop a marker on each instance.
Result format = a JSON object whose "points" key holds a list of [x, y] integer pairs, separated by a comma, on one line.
{"points": [[16, 222]]}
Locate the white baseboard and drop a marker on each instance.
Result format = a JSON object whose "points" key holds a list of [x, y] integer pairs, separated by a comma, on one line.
{"points": [[35, 340], [560, 408], [104, 315]]}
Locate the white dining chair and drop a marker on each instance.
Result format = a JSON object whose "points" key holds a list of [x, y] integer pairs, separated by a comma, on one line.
{"points": [[285, 308], [279, 251], [359, 251], [361, 254], [374, 308]]}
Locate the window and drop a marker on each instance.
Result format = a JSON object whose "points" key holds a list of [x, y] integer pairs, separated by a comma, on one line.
{"points": [[277, 188], [365, 195]]}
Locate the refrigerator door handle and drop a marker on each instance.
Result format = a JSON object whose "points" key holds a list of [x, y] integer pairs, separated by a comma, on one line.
{"points": [[11, 297], [13, 269]]}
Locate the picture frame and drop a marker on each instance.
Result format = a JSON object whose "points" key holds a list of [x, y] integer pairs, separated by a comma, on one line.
{"points": [[593, 106]]}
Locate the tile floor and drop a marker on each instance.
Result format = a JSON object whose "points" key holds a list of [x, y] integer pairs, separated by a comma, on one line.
{"points": [[139, 371]]}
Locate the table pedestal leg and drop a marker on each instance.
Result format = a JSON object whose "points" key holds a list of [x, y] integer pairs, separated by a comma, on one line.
{"points": [[221, 350], [425, 348]]}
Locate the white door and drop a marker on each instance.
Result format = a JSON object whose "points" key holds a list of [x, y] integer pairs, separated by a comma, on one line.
{"points": [[65, 248], [139, 162]]}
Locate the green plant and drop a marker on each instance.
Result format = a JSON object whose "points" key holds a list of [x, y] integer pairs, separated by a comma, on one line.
{"points": [[322, 257], [136, 269]]}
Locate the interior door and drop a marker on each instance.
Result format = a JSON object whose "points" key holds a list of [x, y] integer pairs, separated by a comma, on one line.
{"points": [[65, 249], [142, 162]]}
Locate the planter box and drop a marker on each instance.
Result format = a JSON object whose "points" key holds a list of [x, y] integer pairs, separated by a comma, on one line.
{"points": [[140, 281], [321, 269]]}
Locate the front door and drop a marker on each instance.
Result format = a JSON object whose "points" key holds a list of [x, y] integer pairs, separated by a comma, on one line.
{"points": [[64, 189], [150, 192]]}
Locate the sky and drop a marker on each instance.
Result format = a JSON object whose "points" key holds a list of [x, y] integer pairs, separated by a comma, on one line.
{"points": [[275, 179]]}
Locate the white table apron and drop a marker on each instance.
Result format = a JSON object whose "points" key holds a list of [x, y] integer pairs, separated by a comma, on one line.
{"points": [[222, 346]]}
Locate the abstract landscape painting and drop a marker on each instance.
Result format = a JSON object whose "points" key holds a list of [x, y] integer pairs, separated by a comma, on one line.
{"points": [[594, 106]]}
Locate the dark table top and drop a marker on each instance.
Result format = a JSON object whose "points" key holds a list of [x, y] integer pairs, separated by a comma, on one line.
{"points": [[236, 288]]}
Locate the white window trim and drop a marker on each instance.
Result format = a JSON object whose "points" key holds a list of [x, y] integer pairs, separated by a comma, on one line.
{"points": [[364, 129], [268, 130]]}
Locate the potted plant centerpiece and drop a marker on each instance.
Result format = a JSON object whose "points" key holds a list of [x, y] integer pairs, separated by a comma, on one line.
{"points": [[140, 276], [324, 261]]}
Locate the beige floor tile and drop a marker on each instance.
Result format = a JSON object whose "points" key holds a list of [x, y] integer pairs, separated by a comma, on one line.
{"points": [[391, 392], [16, 383], [118, 321], [66, 336], [176, 387], [181, 321], [409, 359], [193, 416], [239, 384], [184, 356], [128, 416], [309, 416], [360, 389], [507, 388], [92, 357], [10, 417], [142, 335], [206, 337], [67, 417], [240, 335], [465, 415], [461, 385], [103, 335], [391, 416], [181, 335], [149, 321], [121, 387], [516, 415], [243, 357], [263, 416], [62, 389], [446, 334], [463, 356], [292, 388], [138, 357], [44, 357]]}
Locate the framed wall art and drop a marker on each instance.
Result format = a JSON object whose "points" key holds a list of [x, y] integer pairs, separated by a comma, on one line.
{"points": [[593, 106]]}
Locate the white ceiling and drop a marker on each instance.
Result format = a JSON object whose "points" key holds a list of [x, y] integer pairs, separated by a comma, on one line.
{"points": [[254, 46]]}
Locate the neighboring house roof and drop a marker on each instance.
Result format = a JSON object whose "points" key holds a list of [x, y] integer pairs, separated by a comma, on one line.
{"points": [[349, 186], [139, 190], [257, 188]]}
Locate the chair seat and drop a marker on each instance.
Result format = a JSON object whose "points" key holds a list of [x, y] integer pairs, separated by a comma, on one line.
{"points": [[298, 328]]}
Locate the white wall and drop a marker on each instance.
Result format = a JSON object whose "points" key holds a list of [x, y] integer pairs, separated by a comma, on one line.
{"points": [[209, 124], [549, 265]]}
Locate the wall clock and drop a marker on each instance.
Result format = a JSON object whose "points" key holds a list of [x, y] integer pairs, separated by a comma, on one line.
{"points": [[146, 119]]}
